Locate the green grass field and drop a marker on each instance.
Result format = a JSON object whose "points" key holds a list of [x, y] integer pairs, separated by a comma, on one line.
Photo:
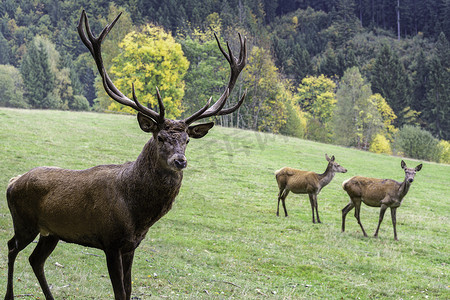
{"points": [[222, 238]]}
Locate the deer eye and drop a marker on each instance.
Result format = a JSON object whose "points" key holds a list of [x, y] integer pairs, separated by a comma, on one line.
{"points": [[187, 141], [160, 139]]}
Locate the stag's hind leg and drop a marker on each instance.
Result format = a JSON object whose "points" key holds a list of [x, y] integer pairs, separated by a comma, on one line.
{"points": [[37, 259], [15, 245]]}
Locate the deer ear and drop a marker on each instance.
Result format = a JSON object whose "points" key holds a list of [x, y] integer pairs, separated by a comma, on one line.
{"points": [[403, 164], [147, 124], [418, 168], [199, 131]]}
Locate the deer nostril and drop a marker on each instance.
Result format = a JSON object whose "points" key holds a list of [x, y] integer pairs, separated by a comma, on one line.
{"points": [[180, 163], [410, 180]]}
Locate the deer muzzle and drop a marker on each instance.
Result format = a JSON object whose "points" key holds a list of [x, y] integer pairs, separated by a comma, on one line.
{"points": [[178, 162]]}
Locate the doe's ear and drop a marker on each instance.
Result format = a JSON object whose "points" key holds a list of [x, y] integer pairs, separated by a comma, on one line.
{"points": [[403, 164], [329, 159], [146, 123], [418, 168], [199, 131]]}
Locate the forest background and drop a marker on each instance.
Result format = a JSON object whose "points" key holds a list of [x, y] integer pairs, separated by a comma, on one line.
{"points": [[370, 74]]}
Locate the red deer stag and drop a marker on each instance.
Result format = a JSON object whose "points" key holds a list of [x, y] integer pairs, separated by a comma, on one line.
{"points": [[109, 207], [305, 182], [375, 192]]}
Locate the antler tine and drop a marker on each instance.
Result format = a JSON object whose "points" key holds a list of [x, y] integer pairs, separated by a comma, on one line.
{"points": [[234, 108], [94, 46], [194, 117], [236, 66]]}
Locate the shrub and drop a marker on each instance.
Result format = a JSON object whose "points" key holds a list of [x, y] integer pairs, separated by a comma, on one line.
{"points": [[79, 103], [295, 123], [417, 143], [11, 91], [380, 144], [444, 152]]}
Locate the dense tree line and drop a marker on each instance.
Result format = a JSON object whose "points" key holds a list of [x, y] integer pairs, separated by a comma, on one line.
{"points": [[302, 54]]}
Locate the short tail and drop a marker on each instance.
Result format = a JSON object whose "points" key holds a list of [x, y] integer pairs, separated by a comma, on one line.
{"points": [[345, 183], [278, 172]]}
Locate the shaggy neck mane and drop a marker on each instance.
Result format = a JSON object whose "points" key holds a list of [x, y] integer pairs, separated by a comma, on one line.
{"points": [[146, 179]]}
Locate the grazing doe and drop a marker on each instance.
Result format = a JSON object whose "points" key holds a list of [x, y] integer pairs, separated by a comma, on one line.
{"points": [[305, 182], [375, 192], [109, 207]]}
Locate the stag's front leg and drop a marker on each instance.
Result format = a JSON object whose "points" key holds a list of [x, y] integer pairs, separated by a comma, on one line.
{"points": [[382, 211], [394, 221], [115, 270], [127, 263]]}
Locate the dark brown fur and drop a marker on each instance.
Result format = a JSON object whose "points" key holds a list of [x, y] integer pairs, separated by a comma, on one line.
{"points": [[375, 192]]}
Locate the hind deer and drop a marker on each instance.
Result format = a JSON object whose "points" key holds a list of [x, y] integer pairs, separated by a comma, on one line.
{"points": [[305, 182], [109, 207], [375, 192]]}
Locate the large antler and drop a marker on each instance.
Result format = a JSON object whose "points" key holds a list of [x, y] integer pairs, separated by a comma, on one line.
{"points": [[94, 45], [236, 66]]}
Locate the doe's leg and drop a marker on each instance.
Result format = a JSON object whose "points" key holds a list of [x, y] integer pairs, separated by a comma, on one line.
{"points": [[357, 203], [382, 211], [283, 198], [394, 221], [345, 211]]}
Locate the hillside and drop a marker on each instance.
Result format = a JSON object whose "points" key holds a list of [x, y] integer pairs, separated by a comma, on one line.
{"points": [[222, 238]]}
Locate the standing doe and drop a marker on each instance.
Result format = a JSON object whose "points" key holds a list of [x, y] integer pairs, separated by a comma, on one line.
{"points": [[375, 192], [305, 182], [109, 207]]}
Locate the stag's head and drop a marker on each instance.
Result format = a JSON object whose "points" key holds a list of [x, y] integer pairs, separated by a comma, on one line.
{"points": [[410, 172], [170, 136], [335, 167]]}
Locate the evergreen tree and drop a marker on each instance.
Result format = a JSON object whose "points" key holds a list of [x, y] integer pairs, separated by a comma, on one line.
{"points": [[437, 111], [38, 79], [4, 51], [389, 78], [420, 81]]}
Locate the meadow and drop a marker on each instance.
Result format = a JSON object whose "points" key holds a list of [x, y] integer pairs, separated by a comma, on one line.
{"points": [[222, 238]]}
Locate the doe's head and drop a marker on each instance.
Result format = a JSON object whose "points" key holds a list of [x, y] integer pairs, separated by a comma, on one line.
{"points": [[337, 168], [410, 172]]}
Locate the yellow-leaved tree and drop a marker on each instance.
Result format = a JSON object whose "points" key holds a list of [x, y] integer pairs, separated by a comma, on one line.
{"points": [[148, 59], [316, 97]]}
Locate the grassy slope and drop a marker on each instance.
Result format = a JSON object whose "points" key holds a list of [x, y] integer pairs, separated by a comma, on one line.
{"points": [[222, 237]]}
